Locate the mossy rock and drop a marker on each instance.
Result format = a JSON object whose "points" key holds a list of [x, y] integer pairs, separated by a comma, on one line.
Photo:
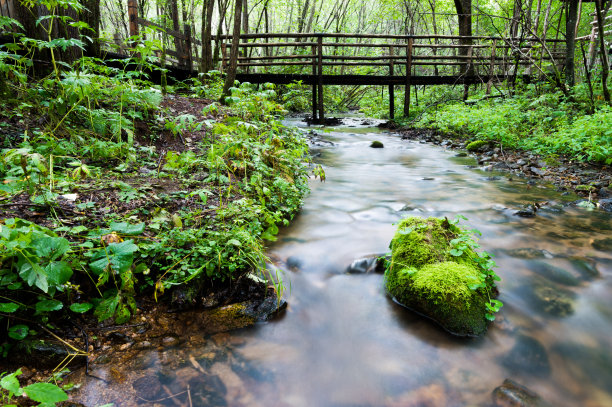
{"points": [[425, 277], [377, 144], [476, 145]]}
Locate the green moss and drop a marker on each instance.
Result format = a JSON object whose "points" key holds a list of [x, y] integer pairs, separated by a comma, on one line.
{"points": [[376, 144], [475, 145], [425, 277], [419, 241], [447, 283]]}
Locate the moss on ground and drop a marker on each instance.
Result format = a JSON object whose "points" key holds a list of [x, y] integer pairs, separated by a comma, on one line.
{"points": [[475, 145], [425, 277]]}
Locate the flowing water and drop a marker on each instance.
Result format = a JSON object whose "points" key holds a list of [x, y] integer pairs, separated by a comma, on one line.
{"points": [[343, 342]]}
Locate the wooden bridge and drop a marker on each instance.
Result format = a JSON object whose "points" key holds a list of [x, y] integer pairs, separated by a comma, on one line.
{"points": [[321, 59]]}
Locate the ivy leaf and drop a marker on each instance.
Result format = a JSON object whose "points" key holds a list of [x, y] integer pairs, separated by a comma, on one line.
{"points": [[45, 393], [80, 308], [49, 305], [8, 307], [18, 332]]}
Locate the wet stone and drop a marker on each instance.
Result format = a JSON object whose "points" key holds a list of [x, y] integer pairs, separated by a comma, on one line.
{"points": [[528, 356], [102, 359], [529, 253], [554, 273], [170, 341], [587, 268], [605, 204], [553, 301], [604, 245], [377, 144], [512, 394], [528, 211], [369, 264], [294, 263], [147, 387]]}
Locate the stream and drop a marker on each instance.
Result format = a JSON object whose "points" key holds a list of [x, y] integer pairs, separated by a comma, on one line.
{"points": [[343, 342]]}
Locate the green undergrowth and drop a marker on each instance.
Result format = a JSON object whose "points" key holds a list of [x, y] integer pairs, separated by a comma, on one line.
{"points": [[111, 191], [547, 123], [437, 270]]}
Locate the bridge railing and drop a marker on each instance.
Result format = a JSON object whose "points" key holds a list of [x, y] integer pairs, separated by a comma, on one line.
{"points": [[378, 59], [437, 55]]}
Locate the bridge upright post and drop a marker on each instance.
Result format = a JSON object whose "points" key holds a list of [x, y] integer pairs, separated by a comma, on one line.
{"points": [[314, 85], [320, 77], [223, 57], [491, 67], [188, 55], [133, 17], [408, 76], [391, 87]]}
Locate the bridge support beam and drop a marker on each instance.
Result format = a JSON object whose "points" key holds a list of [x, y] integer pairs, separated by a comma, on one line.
{"points": [[320, 79], [391, 87]]}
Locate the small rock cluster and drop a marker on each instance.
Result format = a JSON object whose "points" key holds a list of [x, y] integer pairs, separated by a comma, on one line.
{"points": [[588, 180]]}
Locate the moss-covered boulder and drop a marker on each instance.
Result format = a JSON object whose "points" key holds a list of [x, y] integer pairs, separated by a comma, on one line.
{"points": [[435, 271]]}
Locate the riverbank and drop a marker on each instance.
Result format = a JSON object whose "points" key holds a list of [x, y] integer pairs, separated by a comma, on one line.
{"points": [[107, 231], [591, 181]]}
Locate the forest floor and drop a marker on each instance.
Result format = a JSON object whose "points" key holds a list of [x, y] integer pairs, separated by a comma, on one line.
{"points": [[167, 196]]}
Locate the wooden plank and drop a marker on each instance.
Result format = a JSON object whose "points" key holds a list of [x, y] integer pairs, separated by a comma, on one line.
{"points": [[133, 17], [314, 87], [173, 33], [491, 68], [377, 80], [391, 87], [377, 36], [408, 79], [320, 79]]}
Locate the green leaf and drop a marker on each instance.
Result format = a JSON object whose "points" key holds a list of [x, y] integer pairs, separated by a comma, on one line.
{"points": [[125, 228], [58, 272], [45, 393], [18, 332], [490, 317], [106, 308], [80, 308], [234, 242], [8, 307], [117, 256], [11, 384], [49, 305], [50, 247], [456, 252], [33, 274]]}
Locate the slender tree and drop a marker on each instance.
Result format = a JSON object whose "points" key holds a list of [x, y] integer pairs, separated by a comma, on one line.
{"points": [[231, 71]]}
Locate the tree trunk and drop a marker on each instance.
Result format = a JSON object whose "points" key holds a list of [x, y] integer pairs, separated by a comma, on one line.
{"points": [[207, 52], [605, 68], [91, 16], [570, 41], [231, 71]]}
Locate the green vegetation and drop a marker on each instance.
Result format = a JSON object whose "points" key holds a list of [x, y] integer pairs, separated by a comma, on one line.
{"points": [[110, 190], [44, 394], [436, 270], [547, 123]]}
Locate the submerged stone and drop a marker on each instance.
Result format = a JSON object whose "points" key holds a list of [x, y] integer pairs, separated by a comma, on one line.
{"points": [[512, 394], [554, 273], [554, 301], [425, 277], [528, 356]]}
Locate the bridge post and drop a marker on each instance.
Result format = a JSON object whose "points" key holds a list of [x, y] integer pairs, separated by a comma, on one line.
{"points": [[408, 76], [320, 77], [133, 17], [491, 68], [223, 57], [314, 85], [188, 54], [391, 87]]}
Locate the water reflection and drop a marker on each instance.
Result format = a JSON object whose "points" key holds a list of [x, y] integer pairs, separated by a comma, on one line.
{"points": [[342, 342]]}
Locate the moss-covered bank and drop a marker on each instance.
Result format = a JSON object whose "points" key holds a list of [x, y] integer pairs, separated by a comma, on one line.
{"points": [[435, 271]]}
